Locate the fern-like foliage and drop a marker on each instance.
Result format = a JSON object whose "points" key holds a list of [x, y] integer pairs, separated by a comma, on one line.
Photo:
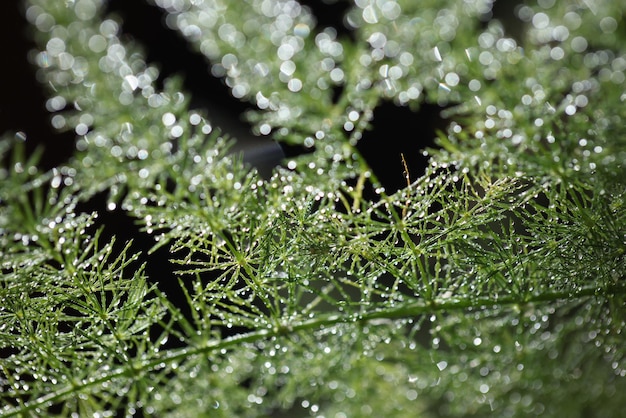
{"points": [[491, 285]]}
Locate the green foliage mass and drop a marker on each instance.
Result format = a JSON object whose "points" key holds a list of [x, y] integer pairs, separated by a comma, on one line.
{"points": [[493, 285]]}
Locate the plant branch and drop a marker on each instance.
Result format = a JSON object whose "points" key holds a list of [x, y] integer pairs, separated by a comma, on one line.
{"points": [[320, 322]]}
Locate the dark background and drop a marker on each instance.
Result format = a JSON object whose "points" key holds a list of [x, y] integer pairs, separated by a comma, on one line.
{"points": [[22, 100]]}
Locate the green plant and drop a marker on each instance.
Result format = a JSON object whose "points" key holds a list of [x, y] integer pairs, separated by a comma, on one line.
{"points": [[491, 285]]}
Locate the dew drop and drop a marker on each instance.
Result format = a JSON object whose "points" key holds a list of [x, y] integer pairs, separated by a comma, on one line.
{"points": [[168, 119], [437, 54], [302, 30], [85, 9], [285, 51], [131, 82], [390, 10], [207, 129], [195, 119], [369, 15], [336, 74], [608, 24], [444, 87], [294, 85], [452, 79], [81, 129], [288, 68], [176, 131], [540, 20], [55, 46], [579, 44]]}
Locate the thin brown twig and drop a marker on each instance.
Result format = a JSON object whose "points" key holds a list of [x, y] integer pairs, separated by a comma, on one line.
{"points": [[407, 176]]}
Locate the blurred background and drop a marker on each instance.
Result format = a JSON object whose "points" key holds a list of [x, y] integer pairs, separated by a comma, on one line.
{"points": [[22, 99]]}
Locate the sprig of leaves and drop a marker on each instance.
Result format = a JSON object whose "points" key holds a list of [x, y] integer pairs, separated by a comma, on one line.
{"points": [[454, 296]]}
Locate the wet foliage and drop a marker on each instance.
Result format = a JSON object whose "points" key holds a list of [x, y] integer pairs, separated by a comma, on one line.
{"points": [[489, 283]]}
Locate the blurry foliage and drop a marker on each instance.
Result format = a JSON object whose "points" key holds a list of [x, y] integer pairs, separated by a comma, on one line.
{"points": [[491, 285]]}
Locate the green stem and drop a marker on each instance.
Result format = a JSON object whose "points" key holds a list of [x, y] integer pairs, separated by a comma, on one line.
{"points": [[411, 310]]}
